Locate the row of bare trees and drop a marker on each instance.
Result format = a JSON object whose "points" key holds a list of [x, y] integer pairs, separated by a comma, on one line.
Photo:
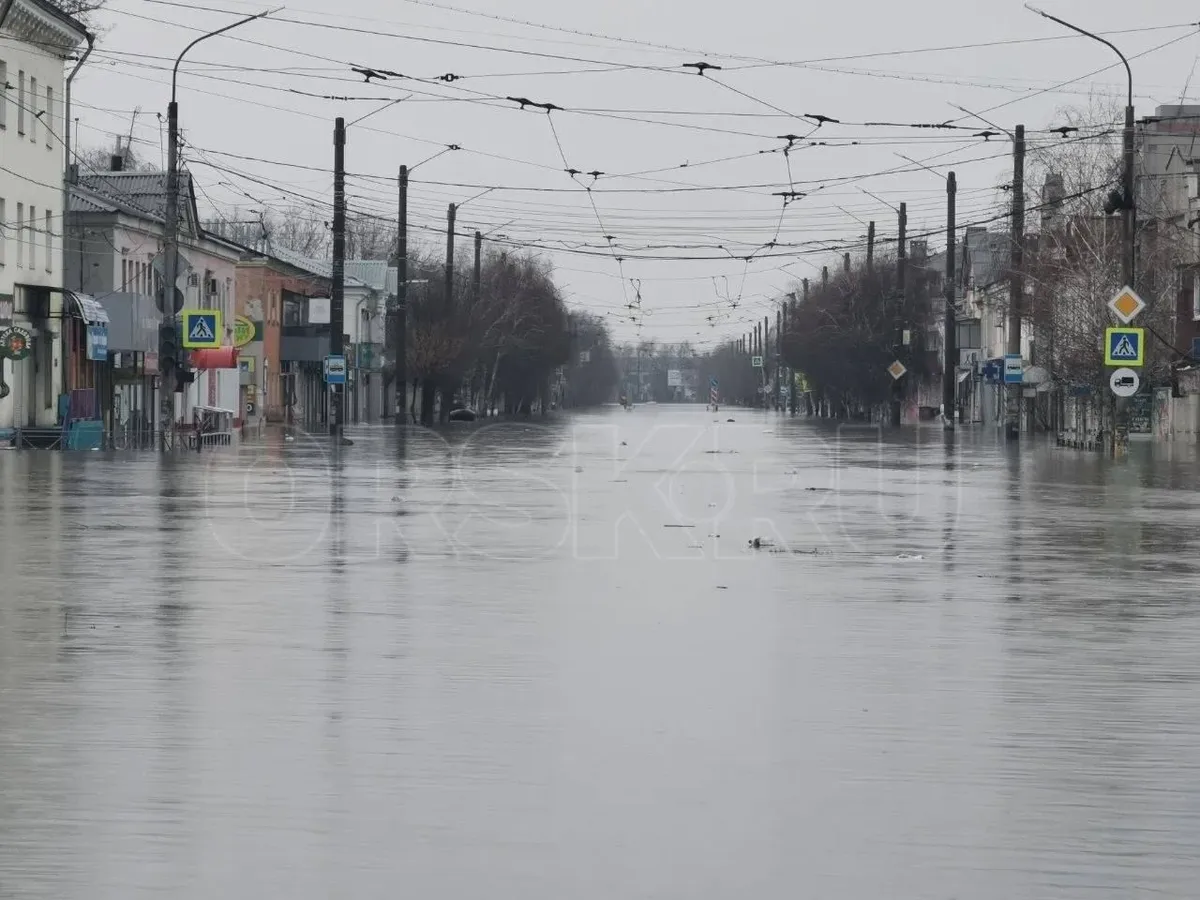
{"points": [[844, 334], [507, 344]]}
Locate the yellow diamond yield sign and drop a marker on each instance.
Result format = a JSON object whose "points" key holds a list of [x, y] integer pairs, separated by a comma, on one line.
{"points": [[1126, 305], [897, 370]]}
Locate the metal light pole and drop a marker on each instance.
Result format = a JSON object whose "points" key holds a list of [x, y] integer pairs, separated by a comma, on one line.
{"points": [[1128, 200], [168, 371], [1016, 292]]}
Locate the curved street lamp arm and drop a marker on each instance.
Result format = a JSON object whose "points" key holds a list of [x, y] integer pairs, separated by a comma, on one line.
{"points": [[1094, 37], [204, 37]]}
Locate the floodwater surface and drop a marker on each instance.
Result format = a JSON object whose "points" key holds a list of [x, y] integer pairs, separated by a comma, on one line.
{"points": [[542, 661]]}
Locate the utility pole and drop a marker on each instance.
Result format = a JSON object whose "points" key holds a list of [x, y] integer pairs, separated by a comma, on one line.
{"points": [[337, 303], [846, 263], [791, 372], [451, 212], [477, 277], [778, 356], [1127, 202], [170, 375], [400, 314], [950, 355], [898, 314], [804, 282], [1016, 285], [871, 247], [766, 333], [169, 346], [824, 276]]}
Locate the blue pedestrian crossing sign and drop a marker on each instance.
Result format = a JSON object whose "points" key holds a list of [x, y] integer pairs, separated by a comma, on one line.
{"points": [[712, 382], [201, 329], [1124, 346]]}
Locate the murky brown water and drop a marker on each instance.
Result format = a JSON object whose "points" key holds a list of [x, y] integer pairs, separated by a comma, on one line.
{"points": [[491, 670]]}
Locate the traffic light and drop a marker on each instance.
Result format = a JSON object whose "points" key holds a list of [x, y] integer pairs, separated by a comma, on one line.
{"points": [[168, 347]]}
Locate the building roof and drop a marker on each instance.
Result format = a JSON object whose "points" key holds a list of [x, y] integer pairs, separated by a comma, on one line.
{"points": [[374, 273], [139, 194], [307, 264], [42, 22]]}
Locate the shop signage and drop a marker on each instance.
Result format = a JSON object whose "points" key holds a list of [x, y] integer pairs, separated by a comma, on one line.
{"points": [[16, 342], [97, 343], [244, 331]]}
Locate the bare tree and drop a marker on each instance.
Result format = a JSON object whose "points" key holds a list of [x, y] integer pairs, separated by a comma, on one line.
{"points": [[93, 160], [83, 10]]}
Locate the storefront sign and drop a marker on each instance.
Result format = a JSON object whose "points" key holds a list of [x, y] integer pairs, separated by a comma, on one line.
{"points": [[97, 343], [16, 342], [244, 331]]}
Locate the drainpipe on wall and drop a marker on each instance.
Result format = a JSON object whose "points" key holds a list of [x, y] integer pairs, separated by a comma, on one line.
{"points": [[70, 174]]}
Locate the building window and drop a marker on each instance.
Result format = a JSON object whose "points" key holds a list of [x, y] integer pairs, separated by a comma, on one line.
{"points": [[969, 335], [32, 233], [49, 235], [293, 312], [20, 234], [33, 101], [124, 274], [49, 118], [3, 223], [1195, 288], [20, 102], [3, 96]]}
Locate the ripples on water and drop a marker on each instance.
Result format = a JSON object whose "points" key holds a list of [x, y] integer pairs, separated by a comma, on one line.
{"points": [[491, 670]]}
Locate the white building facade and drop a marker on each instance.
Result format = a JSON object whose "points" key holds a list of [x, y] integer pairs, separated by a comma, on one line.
{"points": [[36, 40]]}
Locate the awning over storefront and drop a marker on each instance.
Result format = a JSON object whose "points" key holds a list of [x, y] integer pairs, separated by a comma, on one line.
{"points": [[215, 358], [87, 308], [95, 317]]}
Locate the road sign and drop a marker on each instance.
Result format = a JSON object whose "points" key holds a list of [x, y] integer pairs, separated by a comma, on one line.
{"points": [[1014, 372], [202, 329], [335, 370], [1126, 305], [897, 370], [713, 383], [756, 361], [1124, 382], [712, 396], [1124, 346]]}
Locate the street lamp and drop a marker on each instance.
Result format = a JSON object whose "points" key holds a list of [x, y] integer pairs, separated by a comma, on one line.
{"points": [[949, 321], [167, 361], [1012, 424], [1125, 202]]}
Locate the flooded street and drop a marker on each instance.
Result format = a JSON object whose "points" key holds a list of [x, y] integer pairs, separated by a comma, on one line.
{"points": [[541, 661]]}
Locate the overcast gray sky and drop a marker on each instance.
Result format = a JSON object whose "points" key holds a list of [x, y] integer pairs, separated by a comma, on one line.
{"points": [[631, 111]]}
